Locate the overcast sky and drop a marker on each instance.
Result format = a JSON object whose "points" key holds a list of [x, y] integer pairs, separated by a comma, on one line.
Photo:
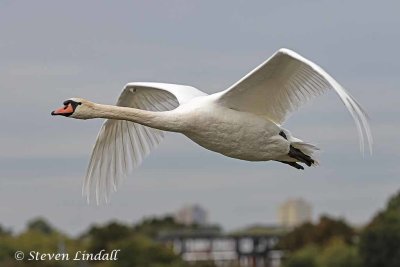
{"points": [[53, 50]]}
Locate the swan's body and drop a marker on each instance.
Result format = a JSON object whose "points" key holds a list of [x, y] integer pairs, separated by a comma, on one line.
{"points": [[236, 134], [241, 122]]}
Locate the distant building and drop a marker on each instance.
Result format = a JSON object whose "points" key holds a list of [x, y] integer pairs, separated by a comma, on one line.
{"points": [[294, 212], [237, 249], [191, 214]]}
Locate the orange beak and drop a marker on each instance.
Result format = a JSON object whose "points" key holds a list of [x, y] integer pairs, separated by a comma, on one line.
{"points": [[66, 110]]}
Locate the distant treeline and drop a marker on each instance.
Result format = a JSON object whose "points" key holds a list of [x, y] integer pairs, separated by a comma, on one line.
{"points": [[333, 243], [328, 243]]}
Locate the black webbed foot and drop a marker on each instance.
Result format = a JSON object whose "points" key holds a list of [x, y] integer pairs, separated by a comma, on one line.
{"points": [[293, 164]]}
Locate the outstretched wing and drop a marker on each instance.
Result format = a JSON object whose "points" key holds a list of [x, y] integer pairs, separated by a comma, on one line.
{"points": [[122, 145], [282, 84]]}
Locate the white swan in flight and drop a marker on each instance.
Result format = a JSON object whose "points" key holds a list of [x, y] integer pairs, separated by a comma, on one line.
{"points": [[243, 121]]}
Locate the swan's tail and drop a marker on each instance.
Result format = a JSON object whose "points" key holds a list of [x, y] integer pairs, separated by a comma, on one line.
{"points": [[299, 152], [303, 152]]}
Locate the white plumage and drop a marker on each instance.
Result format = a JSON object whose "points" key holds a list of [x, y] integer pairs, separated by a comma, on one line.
{"points": [[122, 145], [243, 121]]}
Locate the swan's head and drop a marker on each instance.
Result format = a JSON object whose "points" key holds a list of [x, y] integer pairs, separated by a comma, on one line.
{"points": [[77, 108]]}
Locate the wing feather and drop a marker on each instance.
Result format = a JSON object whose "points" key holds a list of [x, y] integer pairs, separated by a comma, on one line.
{"points": [[122, 145], [285, 82]]}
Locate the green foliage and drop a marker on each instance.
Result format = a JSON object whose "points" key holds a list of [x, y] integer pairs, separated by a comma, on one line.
{"points": [[327, 228], [4, 232], [101, 236], [298, 237], [136, 249], [136, 245], [380, 240], [379, 244], [6, 248], [40, 225], [394, 203], [41, 237], [329, 243], [37, 241], [339, 254], [305, 257], [141, 251], [336, 253], [318, 234]]}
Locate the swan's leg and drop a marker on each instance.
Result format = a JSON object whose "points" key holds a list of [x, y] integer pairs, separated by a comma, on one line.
{"points": [[296, 153], [293, 164]]}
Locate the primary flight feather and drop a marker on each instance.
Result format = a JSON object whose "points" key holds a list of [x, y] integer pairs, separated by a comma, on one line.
{"points": [[243, 121]]}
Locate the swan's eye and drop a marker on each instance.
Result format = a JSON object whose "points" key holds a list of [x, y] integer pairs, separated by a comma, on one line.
{"points": [[72, 102]]}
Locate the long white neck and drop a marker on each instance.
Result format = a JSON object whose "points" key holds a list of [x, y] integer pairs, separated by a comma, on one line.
{"points": [[163, 120]]}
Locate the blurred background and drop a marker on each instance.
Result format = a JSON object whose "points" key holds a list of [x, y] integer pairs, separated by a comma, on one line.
{"points": [[186, 205]]}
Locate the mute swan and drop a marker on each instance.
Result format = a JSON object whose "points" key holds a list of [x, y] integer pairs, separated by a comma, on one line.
{"points": [[243, 121]]}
